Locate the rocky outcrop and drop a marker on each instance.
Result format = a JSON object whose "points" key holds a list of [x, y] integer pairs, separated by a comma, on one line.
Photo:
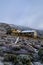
{"points": [[20, 50]]}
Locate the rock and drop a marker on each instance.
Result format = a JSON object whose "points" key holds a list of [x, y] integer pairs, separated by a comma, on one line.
{"points": [[1, 63], [40, 53], [35, 57], [7, 63], [24, 59], [28, 48], [36, 46], [37, 63]]}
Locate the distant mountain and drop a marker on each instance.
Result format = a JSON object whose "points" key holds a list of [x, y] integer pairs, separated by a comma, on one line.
{"points": [[20, 27]]}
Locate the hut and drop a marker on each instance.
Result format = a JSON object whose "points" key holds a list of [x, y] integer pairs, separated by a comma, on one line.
{"points": [[30, 33]]}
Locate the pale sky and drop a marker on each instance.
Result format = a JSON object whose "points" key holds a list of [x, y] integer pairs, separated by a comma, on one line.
{"points": [[22, 12]]}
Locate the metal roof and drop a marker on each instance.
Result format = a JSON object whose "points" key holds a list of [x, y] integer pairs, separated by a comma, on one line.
{"points": [[26, 31]]}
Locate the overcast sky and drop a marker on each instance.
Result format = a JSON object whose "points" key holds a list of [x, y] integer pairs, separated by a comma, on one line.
{"points": [[22, 12]]}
